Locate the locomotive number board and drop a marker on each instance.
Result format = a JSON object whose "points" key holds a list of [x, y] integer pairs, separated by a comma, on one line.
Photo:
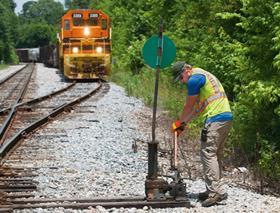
{"points": [[77, 15], [93, 15]]}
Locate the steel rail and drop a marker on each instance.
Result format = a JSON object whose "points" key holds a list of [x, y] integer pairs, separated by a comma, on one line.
{"points": [[6, 147], [106, 203], [78, 200], [36, 100], [10, 117], [5, 210], [21, 195], [13, 74]]}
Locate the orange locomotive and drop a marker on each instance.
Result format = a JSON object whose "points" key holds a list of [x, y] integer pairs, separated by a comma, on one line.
{"points": [[85, 44]]}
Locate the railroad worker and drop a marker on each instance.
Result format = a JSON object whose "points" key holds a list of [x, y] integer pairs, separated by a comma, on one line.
{"points": [[206, 97]]}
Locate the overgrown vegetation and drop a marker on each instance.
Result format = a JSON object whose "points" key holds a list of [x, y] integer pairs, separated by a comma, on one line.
{"points": [[7, 21], [237, 40], [3, 66]]}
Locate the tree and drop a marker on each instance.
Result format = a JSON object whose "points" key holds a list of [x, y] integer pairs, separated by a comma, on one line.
{"points": [[77, 4], [26, 12], [259, 107], [7, 25], [48, 11], [39, 23], [9, 4], [36, 35]]}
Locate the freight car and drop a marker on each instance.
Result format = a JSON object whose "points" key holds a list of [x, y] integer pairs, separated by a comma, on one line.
{"points": [[49, 55], [85, 44], [22, 55], [28, 54]]}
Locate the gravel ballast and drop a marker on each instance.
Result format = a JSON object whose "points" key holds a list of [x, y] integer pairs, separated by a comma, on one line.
{"points": [[88, 153], [9, 70]]}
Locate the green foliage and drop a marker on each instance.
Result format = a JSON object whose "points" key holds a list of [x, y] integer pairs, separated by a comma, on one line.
{"points": [[39, 23], [27, 9], [276, 37], [77, 4], [36, 35], [9, 4], [269, 160], [42, 11], [7, 21], [167, 93], [258, 95], [3, 66], [131, 58]]}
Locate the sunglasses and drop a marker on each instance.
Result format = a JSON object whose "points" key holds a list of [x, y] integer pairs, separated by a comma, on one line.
{"points": [[182, 72], [181, 77]]}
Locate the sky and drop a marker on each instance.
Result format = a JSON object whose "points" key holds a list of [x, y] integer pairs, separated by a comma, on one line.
{"points": [[21, 2]]}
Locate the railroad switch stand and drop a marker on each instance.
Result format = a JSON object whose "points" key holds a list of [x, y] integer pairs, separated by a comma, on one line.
{"points": [[159, 52], [178, 188], [159, 189]]}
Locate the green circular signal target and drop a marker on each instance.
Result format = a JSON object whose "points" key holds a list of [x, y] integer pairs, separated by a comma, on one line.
{"points": [[150, 51]]}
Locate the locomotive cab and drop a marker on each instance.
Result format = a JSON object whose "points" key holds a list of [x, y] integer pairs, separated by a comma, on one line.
{"points": [[85, 44]]}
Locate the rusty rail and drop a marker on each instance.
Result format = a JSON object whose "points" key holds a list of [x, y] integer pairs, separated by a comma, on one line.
{"points": [[5, 148], [137, 202], [13, 74], [36, 100], [13, 110]]}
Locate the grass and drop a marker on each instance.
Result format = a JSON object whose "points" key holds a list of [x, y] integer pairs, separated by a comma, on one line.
{"points": [[171, 97], [3, 66]]}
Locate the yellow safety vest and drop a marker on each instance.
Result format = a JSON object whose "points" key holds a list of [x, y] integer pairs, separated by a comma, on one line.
{"points": [[212, 97]]}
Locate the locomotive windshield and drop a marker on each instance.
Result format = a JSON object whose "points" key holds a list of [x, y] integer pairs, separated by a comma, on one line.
{"points": [[78, 22], [93, 22], [66, 24], [89, 22]]}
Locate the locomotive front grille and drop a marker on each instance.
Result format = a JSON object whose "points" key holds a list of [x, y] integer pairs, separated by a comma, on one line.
{"points": [[88, 66]]}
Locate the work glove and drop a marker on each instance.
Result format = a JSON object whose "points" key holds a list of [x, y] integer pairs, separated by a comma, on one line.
{"points": [[178, 126]]}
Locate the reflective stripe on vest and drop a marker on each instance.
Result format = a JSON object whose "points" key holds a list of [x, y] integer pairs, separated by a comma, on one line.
{"points": [[211, 78], [203, 104], [218, 92]]}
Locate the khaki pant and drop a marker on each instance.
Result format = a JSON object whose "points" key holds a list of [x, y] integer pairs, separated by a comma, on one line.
{"points": [[211, 153]]}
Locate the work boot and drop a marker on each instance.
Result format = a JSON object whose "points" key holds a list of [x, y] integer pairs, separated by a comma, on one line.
{"points": [[203, 196], [214, 200]]}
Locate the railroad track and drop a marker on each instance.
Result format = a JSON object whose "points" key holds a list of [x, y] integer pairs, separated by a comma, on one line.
{"points": [[14, 86], [19, 120], [137, 202], [26, 117], [13, 89]]}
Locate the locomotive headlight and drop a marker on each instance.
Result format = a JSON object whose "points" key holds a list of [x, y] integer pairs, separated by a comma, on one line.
{"points": [[99, 49], [75, 50], [86, 31]]}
